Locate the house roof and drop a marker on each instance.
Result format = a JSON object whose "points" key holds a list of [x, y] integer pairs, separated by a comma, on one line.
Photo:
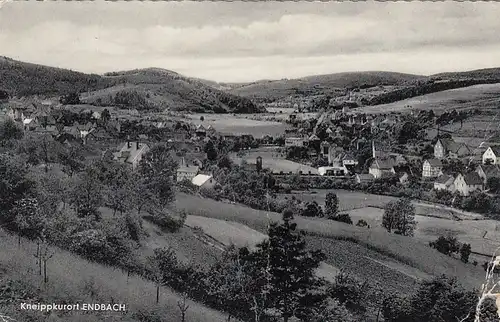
{"points": [[451, 146], [365, 177], [444, 178], [201, 179], [434, 162], [383, 164], [131, 150], [490, 170], [495, 149], [473, 179]]}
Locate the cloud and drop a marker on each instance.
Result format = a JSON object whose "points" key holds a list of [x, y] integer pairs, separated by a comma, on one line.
{"points": [[271, 36]]}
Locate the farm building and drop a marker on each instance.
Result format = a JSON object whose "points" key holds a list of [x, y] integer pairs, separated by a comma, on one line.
{"points": [[492, 155], [332, 171], [186, 172], [381, 168], [364, 178], [444, 182], [131, 153], [487, 171], [448, 148], [466, 184], [432, 168], [204, 181]]}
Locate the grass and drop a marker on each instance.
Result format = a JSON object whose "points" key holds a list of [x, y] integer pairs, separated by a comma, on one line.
{"points": [[477, 96], [405, 250], [274, 161], [238, 125], [70, 275]]}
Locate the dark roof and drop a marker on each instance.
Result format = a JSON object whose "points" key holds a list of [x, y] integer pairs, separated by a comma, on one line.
{"points": [[364, 177], [490, 170], [473, 179], [383, 164], [451, 146], [435, 162], [443, 178], [496, 149]]}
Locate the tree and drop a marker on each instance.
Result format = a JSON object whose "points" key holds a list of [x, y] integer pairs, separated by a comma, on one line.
{"points": [[86, 196], [72, 98], [400, 217], [441, 299], [105, 116], [292, 287], [9, 130], [312, 209], [331, 205], [211, 151], [446, 245], [345, 218], [493, 184], [362, 223], [29, 218], [71, 159], [14, 186], [465, 252], [349, 292]]}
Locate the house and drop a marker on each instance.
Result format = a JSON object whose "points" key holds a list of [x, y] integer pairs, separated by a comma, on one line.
{"points": [[465, 184], [204, 181], [445, 182], [333, 152], [349, 160], [448, 148], [404, 178], [332, 171], [210, 130], [432, 168], [187, 172], [295, 141], [364, 178], [96, 115], [381, 168], [200, 131], [99, 135], [131, 153], [492, 155], [29, 124], [487, 171]]}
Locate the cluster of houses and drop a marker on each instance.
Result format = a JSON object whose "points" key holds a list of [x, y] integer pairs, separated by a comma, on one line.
{"points": [[467, 182]]}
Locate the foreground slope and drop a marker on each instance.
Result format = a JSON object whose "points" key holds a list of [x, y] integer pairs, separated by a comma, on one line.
{"points": [[375, 255], [75, 280]]}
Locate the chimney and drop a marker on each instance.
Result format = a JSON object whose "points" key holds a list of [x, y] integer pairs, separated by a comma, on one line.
{"points": [[137, 145]]}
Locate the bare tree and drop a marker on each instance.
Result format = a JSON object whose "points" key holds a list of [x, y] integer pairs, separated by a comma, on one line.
{"points": [[183, 306]]}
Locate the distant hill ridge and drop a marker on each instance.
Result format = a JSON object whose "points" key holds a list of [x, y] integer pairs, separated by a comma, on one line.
{"points": [[150, 88]]}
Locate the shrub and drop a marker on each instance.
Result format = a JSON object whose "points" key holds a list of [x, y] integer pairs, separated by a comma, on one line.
{"points": [[345, 218], [362, 223]]}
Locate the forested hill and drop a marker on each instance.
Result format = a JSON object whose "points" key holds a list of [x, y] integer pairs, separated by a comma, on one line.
{"points": [[156, 88]]}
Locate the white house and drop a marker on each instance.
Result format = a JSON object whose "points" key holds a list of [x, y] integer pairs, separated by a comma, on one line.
{"points": [[381, 168], [132, 153], [492, 155], [466, 184], [204, 181], [332, 171], [295, 141], [432, 168], [186, 172]]}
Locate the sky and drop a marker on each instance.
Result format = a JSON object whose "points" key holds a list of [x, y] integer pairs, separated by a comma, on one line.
{"points": [[248, 41]]}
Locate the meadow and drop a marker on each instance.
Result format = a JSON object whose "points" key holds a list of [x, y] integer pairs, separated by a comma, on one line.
{"points": [[273, 159], [404, 250], [239, 124], [72, 279], [478, 96]]}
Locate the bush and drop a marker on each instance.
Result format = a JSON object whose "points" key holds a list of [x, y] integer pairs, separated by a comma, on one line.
{"points": [[362, 223], [345, 218]]}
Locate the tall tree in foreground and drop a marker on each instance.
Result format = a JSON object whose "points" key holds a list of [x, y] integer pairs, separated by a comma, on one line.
{"points": [[399, 216], [292, 288], [331, 205]]}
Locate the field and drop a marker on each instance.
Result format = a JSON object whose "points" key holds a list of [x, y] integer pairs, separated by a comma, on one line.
{"points": [[71, 279], [413, 254], [273, 159], [477, 96], [243, 124]]}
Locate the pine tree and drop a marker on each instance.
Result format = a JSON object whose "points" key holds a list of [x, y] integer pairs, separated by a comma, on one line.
{"points": [[292, 288], [331, 205]]}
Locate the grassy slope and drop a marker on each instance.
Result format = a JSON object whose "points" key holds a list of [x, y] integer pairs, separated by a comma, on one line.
{"points": [[70, 275], [315, 84], [401, 249], [477, 96]]}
